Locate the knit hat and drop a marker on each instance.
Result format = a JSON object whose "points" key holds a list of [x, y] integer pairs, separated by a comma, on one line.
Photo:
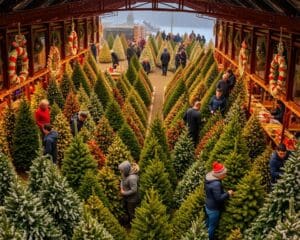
{"points": [[218, 169]]}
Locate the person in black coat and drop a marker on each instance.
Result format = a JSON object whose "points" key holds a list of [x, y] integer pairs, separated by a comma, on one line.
{"points": [[215, 196], [231, 79], [146, 66], [183, 58], [77, 122], [115, 59], [224, 85], [278, 112], [165, 59], [193, 121], [177, 60], [277, 161], [130, 52], [217, 102], [50, 142]]}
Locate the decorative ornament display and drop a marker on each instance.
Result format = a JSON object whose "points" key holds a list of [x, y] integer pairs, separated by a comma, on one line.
{"points": [[54, 62], [243, 58], [278, 71], [220, 36], [19, 51], [73, 42]]}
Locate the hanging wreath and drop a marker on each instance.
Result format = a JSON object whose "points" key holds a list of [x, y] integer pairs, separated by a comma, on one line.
{"points": [[38, 45], [73, 42], [55, 39], [54, 63], [243, 58], [19, 51], [278, 71], [237, 40]]}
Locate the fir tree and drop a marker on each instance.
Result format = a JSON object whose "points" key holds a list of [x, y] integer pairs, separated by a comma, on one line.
{"points": [[61, 125], [140, 88], [97, 153], [239, 90], [38, 95], [146, 80], [95, 108], [25, 211], [92, 62], [90, 229], [55, 110], [6, 177], [8, 231], [118, 48], [114, 115], [151, 221], [138, 108], [131, 73], [237, 110], [25, 139], [104, 134], [80, 79], [156, 177], [71, 106], [118, 97], [110, 81], [124, 41], [110, 40], [101, 90], [135, 61], [184, 154], [104, 55], [97, 210], [54, 94], [83, 98], [235, 235], [66, 85], [147, 55], [173, 133], [198, 230], [128, 137], [77, 161], [88, 70], [4, 147], [9, 126], [69, 69], [122, 87]]}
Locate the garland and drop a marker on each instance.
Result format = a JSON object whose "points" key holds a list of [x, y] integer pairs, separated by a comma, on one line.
{"points": [[54, 63], [38, 45], [18, 51], [73, 42]]}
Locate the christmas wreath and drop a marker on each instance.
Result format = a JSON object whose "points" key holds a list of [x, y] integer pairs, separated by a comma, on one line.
{"points": [[243, 58], [278, 71], [73, 42], [19, 51], [54, 63], [38, 45]]}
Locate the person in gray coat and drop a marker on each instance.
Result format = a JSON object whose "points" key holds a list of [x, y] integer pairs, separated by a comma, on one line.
{"points": [[129, 187]]}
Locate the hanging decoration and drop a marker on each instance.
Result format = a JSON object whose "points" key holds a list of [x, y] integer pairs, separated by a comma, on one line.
{"points": [[243, 58], [38, 45], [73, 41], [19, 51], [54, 62]]}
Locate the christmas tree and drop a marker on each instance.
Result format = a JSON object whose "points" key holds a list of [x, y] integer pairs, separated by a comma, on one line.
{"points": [[117, 153], [7, 229], [104, 134], [173, 133], [140, 88], [118, 97], [97, 210], [55, 110], [38, 95], [114, 115], [255, 137], [198, 230], [239, 90], [118, 48], [110, 40], [188, 212], [156, 177], [184, 154], [237, 110], [25, 139], [97, 153], [146, 79], [151, 221], [128, 137], [89, 229], [131, 73], [110, 81], [181, 102], [135, 62], [77, 161], [88, 70], [7, 175], [54, 94], [244, 206], [66, 85], [95, 107], [71, 106], [80, 79], [152, 43], [138, 108], [92, 61], [235, 235], [83, 98], [102, 91], [104, 55], [122, 86], [69, 69], [147, 55], [4, 147], [124, 41], [9, 126], [25, 211]]}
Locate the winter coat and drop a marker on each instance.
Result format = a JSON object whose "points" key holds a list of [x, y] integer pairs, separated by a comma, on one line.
{"points": [[115, 59], [183, 58], [165, 58], [231, 81], [215, 194], [146, 66], [193, 120], [130, 53], [216, 104], [129, 182], [75, 121], [50, 144], [224, 85], [42, 117], [276, 165], [279, 112], [177, 60]]}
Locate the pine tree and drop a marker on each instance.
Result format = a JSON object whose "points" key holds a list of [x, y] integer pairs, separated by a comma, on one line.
{"points": [[131, 73], [7, 176], [80, 79], [55, 110], [122, 86], [239, 90], [97, 210], [110, 81], [25, 139], [104, 55], [117, 153], [4, 147], [102, 91], [92, 61], [146, 79], [61, 125], [135, 61], [66, 85], [124, 41], [156, 177], [173, 133], [95, 107], [104, 134], [89, 72], [235, 235], [151, 221], [38, 95], [128, 137], [71, 106], [244, 206], [147, 55], [237, 110], [255, 137], [138, 108], [69, 69], [118, 48], [7, 229], [114, 115], [110, 185], [97, 153], [77, 161], [276, 203], [173, 112], [83, 98], [9, 126], [90, 229], [140, 88], [184, 154], [188, 212], [54, 94], [118, 97], [25, 211], [198, 230], [110, 40]]}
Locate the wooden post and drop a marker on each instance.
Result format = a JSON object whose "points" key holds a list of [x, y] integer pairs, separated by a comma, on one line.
{"points": [[226, 37], [86, 38], [47, 39], [233, 37], [216, 34], [4, 56], [269, 56], [30, 45], [253, 51], [63, 40], [97, 27], [291, 69]]}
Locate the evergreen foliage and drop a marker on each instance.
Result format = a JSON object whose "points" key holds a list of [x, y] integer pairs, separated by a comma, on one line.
{"points": [[198, 230], [92, 61], [95, 107], [97, 153], [69, 69], [131, 73], [105, 55], [110, 40], [124, 41], [83, 98], [138, 108], [118, 48], [6, 177], [9, 124], [118, 97], [122, 86], [38, 95], [130, 140], [25, 139], [239, 90], [140, 88], [236, 110], [235, 235], [147, 55], [4, 147], [54, 94], [210, 124], [101, 90], [71, 106], [114, 115], [55, 110], [80, 79], [104, 134], [151, 221], [174, 131], [89, 72], [66, 85], [7, 230]]}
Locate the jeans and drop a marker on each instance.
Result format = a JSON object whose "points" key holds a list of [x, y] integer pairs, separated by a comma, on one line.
{"points": [[212, 221], [164, 69]]}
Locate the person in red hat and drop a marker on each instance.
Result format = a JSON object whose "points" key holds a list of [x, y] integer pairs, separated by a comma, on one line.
{"points": [[215, 196]]}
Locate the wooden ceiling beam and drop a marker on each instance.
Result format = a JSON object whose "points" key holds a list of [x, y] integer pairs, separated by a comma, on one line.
{"points": [[286, 7], [263, 5]]}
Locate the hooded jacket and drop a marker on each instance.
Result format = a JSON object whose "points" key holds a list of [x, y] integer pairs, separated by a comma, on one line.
{"points": [[215, 194], [217, 104], [50, 144], [165, 57], [276, 165], [129, 182]]}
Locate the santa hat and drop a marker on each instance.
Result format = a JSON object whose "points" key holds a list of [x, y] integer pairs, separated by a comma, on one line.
{"points": [[218, 169]]}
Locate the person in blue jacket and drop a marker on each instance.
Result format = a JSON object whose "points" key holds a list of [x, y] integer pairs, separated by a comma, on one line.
{"points": [[50, 142], [215, 196], [217, 102], [277, 161]]}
